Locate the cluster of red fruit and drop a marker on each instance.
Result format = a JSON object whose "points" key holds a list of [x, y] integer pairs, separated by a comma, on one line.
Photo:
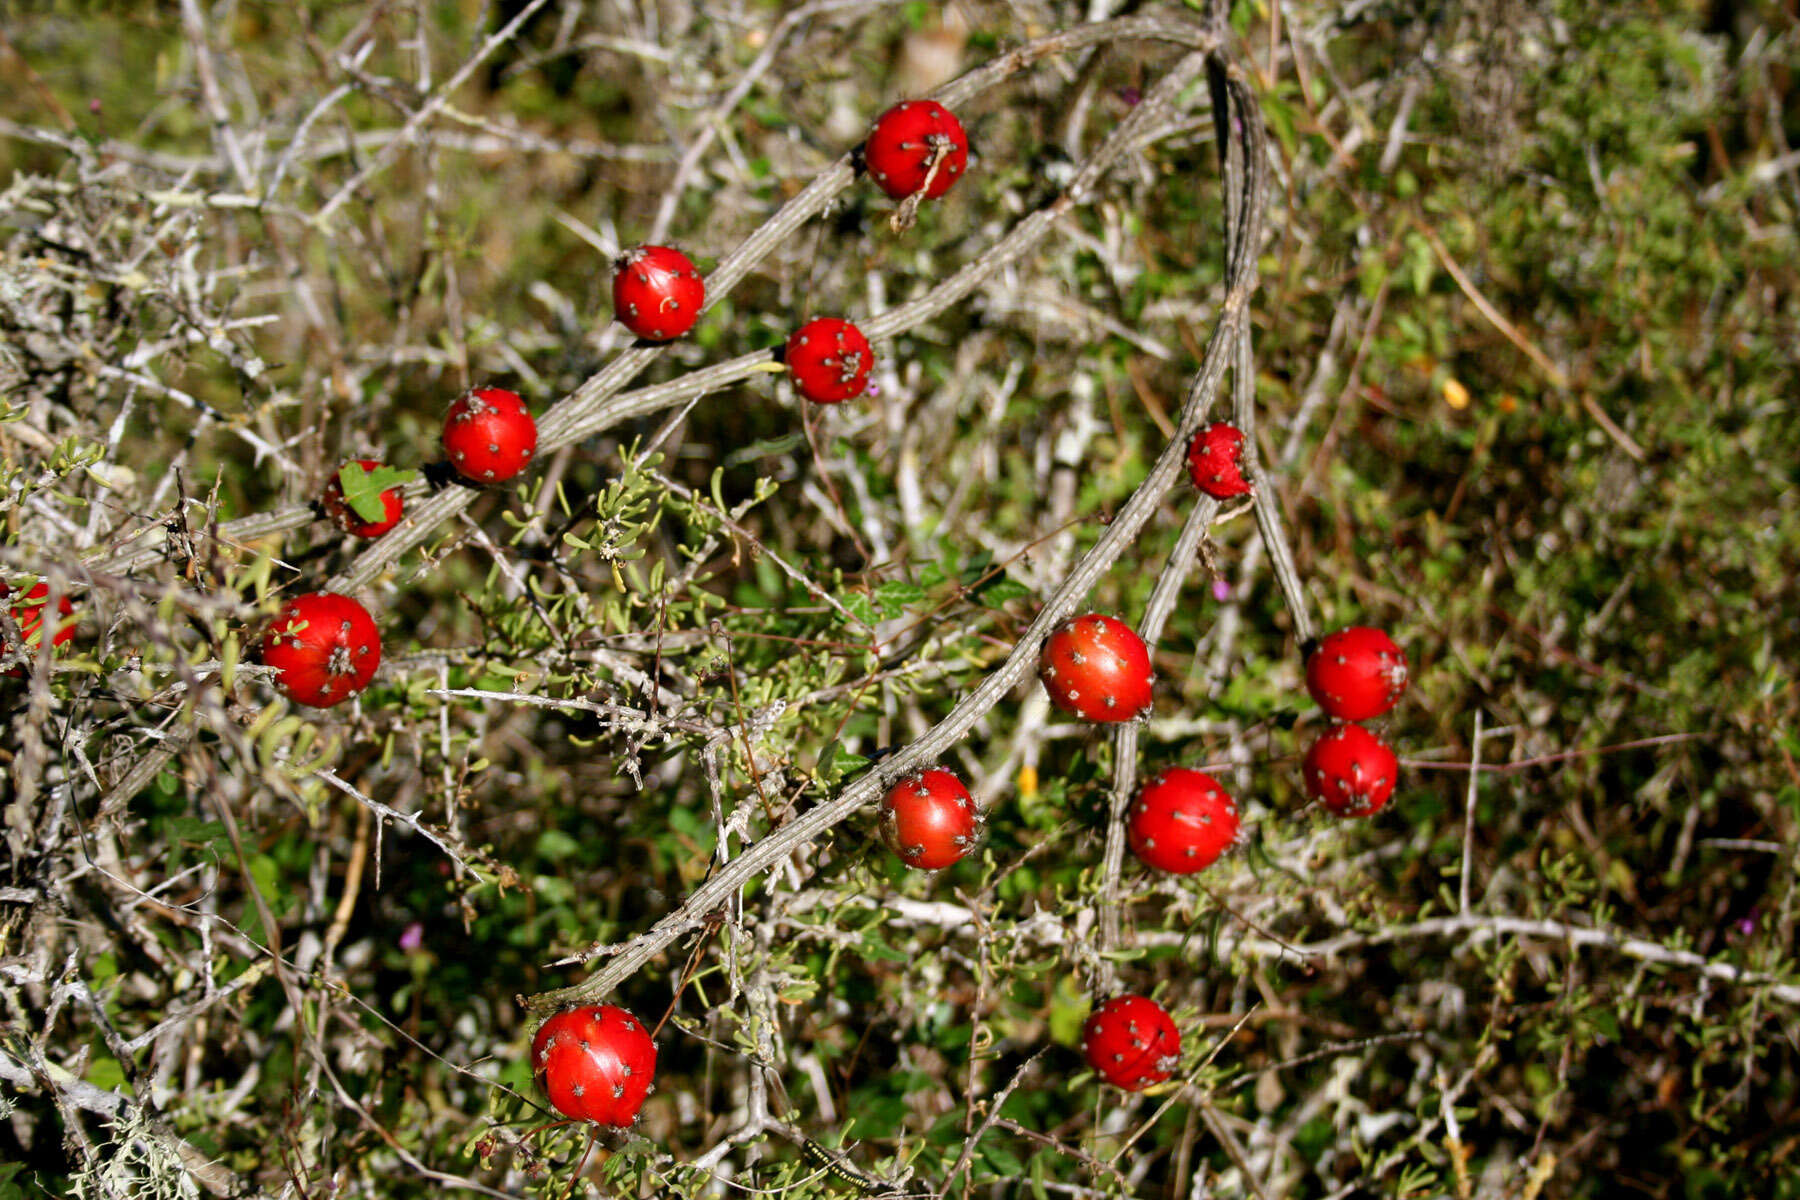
{"points": [[915, 151], [597, 1062], [325, 647], [1355, 674], [1097, 668]]}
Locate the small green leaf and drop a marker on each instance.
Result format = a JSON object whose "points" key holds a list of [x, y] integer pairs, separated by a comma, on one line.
{"points": [[800, 991], [894, 597], [196, 832], [1000, 591], [106, 1074], [363, 487], [874, 947], [860, 607], [976, 569], [1002, 1160]]}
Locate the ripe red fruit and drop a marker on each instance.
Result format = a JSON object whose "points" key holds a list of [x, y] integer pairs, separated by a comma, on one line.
{"points": [[1097, 668], [489, 435], [1356, 673], [829, 360], [595, 1063], [907, 140], [28, 615], [929, 820], [347, 518], [1215, 461], [1350, 771], [1131, 1042], [1182, 820], [324, 648], [657, 294]]}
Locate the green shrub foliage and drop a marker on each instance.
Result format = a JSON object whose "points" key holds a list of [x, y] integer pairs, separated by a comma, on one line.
{"points": [[1503, 296]]}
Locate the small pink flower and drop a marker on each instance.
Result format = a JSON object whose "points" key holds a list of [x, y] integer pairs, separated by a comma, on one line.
{"points": [[1221, 590], [412, 937]]}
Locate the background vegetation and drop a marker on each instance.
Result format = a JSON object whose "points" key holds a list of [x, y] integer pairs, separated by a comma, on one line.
{"points": [[1525, 369]]}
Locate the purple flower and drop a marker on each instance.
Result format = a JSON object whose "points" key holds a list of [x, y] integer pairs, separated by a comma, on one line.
{"points": [[1131, 96], [412, 937], [1221, 590]]}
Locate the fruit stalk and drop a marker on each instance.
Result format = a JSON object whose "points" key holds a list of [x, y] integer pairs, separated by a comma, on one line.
{"points": [[1157, 611]]}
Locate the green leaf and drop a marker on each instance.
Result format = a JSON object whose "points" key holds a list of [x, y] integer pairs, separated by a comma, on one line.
{"points": [[363, 487], [106, 1073], [874, 947], [844, 761], [1280, 117], [800, 991], [860, 607], [194, 831], [1000, 591], [1421, 263], [976, 569], [895, 596], [1002, 1160]]}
